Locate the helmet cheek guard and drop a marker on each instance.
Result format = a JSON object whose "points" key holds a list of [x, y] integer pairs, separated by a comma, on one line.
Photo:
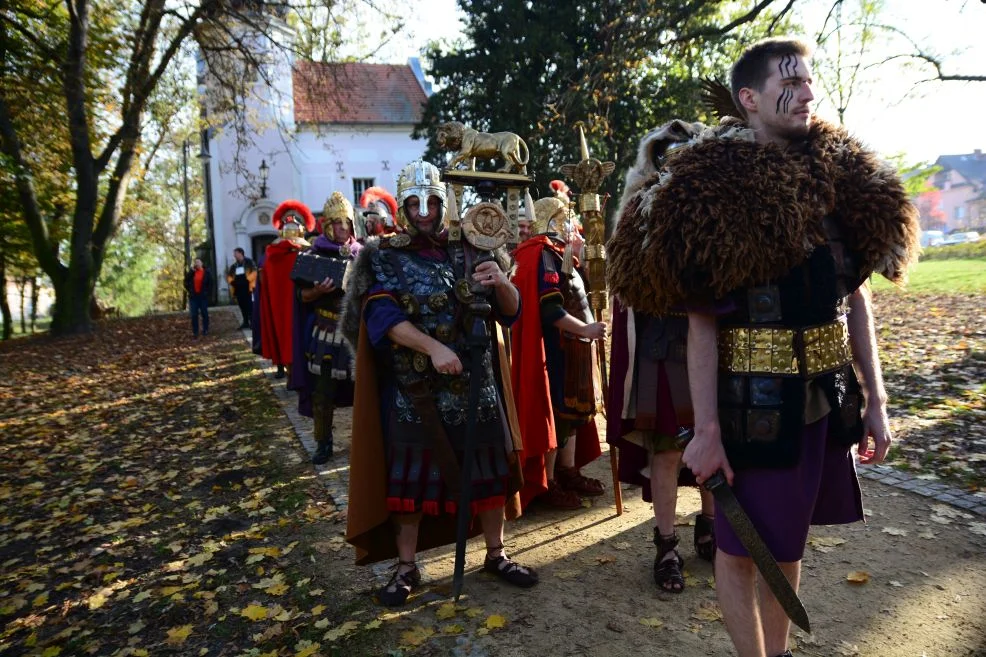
{"points": [[423, 180]]}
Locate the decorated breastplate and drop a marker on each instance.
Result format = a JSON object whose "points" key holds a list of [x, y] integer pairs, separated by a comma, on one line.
{"points": [[425, 290]]}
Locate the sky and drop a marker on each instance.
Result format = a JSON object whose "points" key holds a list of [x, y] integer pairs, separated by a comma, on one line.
{"points": [[892, 116]]}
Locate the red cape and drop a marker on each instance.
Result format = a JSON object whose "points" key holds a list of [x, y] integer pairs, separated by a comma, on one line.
{"points": [[277, 302], [529, 375]]}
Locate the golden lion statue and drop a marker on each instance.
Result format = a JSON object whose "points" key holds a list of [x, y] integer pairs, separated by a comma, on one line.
{"points": [[471, 144]]}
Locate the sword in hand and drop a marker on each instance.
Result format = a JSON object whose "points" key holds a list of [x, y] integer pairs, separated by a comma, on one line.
{"points": [[746, 532]]}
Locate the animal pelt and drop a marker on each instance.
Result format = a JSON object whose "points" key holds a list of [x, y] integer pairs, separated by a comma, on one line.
{"points": [[359, 281], [726, 212]]}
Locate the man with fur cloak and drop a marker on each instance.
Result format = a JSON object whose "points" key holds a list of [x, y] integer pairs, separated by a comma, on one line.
{"points": [[405, 313], [276, 289], [765, 230], [649, 400], [552, 358], [323, 371]]}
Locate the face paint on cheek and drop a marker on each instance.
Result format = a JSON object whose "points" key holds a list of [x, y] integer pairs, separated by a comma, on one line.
{"points": [[784, 101]]}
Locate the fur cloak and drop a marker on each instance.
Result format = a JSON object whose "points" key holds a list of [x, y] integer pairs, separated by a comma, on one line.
{"points": [[726, 212]]}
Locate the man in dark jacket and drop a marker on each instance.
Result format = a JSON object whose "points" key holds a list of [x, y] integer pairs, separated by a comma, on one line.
{"points": [[198, 284], [242, 276]]}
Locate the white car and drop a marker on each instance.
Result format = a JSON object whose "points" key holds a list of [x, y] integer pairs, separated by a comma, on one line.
{"points": [[961, 238]]}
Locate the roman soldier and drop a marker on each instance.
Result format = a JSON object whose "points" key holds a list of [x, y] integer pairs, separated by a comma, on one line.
{"points": [[377, 217], [277, 291], [326, 381], [552, 353], [410, 310]]}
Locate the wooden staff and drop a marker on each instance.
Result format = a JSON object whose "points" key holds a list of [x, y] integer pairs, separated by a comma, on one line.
{"points": [[588, 176]]}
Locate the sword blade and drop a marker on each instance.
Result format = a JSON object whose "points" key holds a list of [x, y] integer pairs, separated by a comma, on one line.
{"points": [[729, 506]]}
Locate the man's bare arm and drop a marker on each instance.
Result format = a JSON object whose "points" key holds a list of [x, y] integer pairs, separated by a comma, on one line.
{"points": [[704, 454], [866, 360]]}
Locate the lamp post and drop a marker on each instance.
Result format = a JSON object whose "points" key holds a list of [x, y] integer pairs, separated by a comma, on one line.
{"points": [[264, 171], [188, 245]]}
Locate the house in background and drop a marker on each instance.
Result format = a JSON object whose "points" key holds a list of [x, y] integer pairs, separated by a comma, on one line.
{"points": [[317, 128], [960, 201]]}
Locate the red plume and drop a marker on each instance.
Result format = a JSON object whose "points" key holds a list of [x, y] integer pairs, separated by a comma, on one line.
{"points": [[296, 207], [379, 194], [559, 187]]}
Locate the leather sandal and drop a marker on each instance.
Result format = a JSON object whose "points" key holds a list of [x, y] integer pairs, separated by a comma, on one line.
{"points": [[705, 537], [559, 498], [395, 593], [572, 480], [667, 570], [510, 571]]}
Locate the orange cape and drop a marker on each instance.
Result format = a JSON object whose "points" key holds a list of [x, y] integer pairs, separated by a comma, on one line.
{"points": [[529, 373]]}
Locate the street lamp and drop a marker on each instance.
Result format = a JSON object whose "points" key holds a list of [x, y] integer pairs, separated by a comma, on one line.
{"points": [[264, 170], [203, 156]]}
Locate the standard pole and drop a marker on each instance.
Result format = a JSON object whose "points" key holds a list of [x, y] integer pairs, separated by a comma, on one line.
{"points": [[188, 246]]}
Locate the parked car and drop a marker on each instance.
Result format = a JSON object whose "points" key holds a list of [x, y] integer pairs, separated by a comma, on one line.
{"points": [[961, 238], [932, 238]]}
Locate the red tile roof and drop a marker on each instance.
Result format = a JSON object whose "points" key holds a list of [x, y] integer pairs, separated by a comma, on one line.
{"points": [[356, 93]]}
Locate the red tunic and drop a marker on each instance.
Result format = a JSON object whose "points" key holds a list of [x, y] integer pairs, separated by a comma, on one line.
{"points": [[277, 302]]}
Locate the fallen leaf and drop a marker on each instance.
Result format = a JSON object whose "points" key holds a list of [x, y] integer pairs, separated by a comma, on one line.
{"points": [[446, 611], [416, 636], [177, 635], [339, 632], [894, 531], [858, 577], [496, 621], [306, 648], [652, 622], [453, 629], [254, 612], [707, 611]]}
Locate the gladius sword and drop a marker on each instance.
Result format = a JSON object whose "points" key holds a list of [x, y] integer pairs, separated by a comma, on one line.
{"points": [[729, 506]]}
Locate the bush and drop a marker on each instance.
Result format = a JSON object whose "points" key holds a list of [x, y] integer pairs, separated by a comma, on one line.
{"points": [[956, 251]]}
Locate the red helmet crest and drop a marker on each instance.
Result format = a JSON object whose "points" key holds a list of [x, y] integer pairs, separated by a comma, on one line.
{"points": [[298, 208], [379, 194]]}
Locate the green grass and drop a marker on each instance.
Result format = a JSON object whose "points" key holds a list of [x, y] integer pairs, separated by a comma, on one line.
{"points": [[941, 277]]}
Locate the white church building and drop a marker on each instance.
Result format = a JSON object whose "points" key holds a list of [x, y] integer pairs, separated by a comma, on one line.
{"points": [[316, 128]]}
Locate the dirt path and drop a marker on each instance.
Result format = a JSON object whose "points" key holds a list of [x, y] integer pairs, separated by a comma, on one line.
{"points": [[926, 564]]}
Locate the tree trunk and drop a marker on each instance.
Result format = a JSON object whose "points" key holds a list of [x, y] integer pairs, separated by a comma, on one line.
{"points": [[34, 302], [20, 290], [8, 320]]}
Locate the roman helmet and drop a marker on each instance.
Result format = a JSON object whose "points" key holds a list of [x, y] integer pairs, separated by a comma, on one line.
{"points": [[379, 204], [288, 218], [550, 216], [337, 209], [421, 179]]}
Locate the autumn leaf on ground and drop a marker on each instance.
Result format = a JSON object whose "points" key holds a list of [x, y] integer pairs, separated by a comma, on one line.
{"points": [[306, 648], [894, 531], [254, 612], [708, 610], [177, 635], [496, 621], [656, 623], [825, 543], [343, 630], [416, 636], [858, 577], [446, 611]]}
